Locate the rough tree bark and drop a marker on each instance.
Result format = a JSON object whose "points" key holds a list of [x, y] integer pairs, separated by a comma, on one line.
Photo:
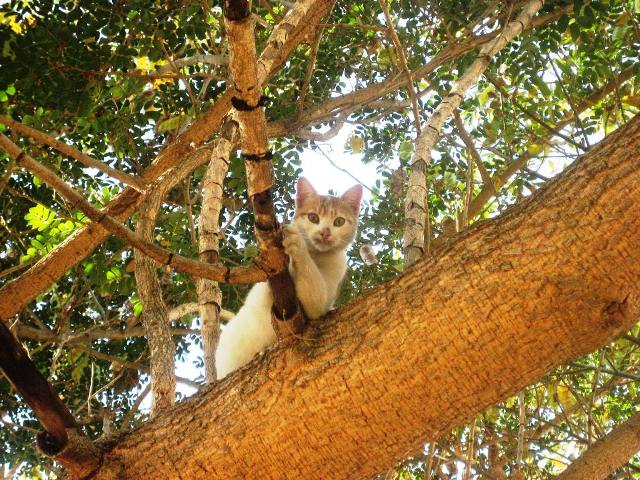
{"points": [[209, 294], [286, 36], [416, 210], [551, 279]]}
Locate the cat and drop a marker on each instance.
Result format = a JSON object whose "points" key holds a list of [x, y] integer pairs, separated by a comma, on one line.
{"points": [[316, 242]]}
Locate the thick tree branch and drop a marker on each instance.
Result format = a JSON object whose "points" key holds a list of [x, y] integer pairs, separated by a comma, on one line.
{"points": [[473, 325], [286, 36], [416, 210], [288, 318], [62, 437]]}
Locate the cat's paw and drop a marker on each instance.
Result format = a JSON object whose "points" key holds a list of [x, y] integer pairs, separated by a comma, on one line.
{"points": [[293, 242]]}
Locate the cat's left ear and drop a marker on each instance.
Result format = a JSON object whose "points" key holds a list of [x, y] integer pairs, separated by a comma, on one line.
{"points": [[353, 196]]}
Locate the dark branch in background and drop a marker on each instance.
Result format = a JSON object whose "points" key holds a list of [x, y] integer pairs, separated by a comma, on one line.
{"points": [[62, 437], [403, 64], [288, 318]]}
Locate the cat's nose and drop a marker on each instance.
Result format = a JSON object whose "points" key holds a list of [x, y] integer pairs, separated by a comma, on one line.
{"points": [[325, 233]]}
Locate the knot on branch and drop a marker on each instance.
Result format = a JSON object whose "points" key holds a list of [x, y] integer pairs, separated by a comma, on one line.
{"points": [[236, 10], [79, 456], [616, 314], [243, 106], [268, 155]]}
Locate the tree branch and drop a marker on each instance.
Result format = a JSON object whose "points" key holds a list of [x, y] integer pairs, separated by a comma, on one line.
{"points": [[416, 197], [73, 152], [608, 453], [287, 316], [500, 179], [217, 272], [62, 438], [543, 259], [403, 64], [285, 37], [209, 294]]}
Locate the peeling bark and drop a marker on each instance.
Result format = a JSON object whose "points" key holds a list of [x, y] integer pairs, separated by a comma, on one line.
{"points": [[510, 298], [209, 294], [416, 209]]}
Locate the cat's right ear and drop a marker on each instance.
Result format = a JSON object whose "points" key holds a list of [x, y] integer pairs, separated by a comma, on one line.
{"points": [[304, 190]]}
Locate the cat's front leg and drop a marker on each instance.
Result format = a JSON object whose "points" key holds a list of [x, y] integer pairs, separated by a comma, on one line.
{"points": [[307, 279]]}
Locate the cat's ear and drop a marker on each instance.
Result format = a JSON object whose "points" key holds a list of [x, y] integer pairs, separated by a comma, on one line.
{"points": [[304, 190], [353, 196]]}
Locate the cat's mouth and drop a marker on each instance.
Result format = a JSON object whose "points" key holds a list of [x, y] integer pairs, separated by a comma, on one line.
{"points": [[324, 244]]}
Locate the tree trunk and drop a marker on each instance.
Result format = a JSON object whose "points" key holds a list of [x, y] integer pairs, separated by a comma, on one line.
{"points": [[509, 299]]}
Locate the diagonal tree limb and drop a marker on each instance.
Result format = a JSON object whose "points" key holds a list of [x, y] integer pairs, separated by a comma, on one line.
{"points": [[472, 151], [287, 315], [73, 152], [290, 32], [251, 274], [416, 197], [62, 437], [403, 64], [501, 178], [478, 333], [610, 452]]}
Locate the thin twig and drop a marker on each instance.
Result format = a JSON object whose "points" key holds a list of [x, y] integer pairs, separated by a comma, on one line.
{"points": [[403, 64]]}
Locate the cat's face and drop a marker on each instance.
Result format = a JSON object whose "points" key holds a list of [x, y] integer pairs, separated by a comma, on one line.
{"points": [[328, 223]]}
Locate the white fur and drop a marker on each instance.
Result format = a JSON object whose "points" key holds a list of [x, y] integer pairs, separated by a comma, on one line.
{"points": [[317, 267], [316, 277]]}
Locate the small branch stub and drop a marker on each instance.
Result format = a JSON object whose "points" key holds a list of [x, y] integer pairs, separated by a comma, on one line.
{"points": [[80, 457], [236, 10]]}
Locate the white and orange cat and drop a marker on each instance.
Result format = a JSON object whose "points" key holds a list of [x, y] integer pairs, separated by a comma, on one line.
{"points": [[316, 242]]}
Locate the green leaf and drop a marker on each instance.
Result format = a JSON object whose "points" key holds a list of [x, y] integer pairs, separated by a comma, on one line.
{"points": [[40, 217], [171, 123], [406, 150]]}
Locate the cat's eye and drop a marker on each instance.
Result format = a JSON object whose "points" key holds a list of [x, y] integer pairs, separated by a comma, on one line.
{"points": [[338, 222], [313, 218]]}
